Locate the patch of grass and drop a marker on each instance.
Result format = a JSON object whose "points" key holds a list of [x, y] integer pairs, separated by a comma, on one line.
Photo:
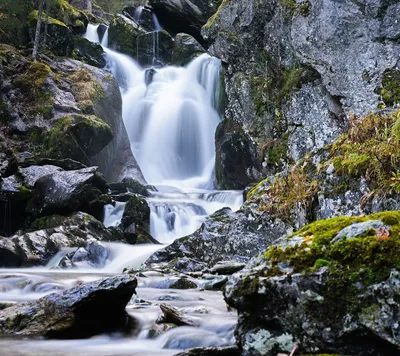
{"points": [[84, 86], [371, 149]]}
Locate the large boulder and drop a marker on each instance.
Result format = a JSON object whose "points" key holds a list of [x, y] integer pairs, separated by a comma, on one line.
{"points": [[89, 52], [80, 312], [225, 236], [333, 286], [185, 49], [186, 16], [78, 137], [47, 236], [66, 191]]}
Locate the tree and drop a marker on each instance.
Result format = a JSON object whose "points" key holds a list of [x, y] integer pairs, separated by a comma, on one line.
{"points": [[37, 32], [46, 22]]}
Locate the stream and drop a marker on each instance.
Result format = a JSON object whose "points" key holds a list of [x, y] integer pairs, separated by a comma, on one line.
{"points": [[171, 116]]}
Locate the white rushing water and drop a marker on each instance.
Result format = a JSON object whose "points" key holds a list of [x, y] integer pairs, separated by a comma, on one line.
{"points": [[171, 115]]}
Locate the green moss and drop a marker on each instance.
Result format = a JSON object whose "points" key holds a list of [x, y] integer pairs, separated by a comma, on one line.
{"points": [[33, 16], [390, 90], [47, 222], [367, 259], [78, 137], [214, 17], [371, 149]]}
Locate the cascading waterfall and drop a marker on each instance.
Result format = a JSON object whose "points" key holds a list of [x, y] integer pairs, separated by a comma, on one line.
{"points": [[171, 115]]}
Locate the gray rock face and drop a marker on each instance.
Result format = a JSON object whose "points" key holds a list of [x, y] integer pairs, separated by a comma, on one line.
{"points": [[347, 45], [295, 71], [79, 231], [225, 236], [66, 191], [80, 312], [32, 174]]}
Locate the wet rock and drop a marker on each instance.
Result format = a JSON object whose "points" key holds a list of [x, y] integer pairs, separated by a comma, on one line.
{"points": [[227, 267], [186, 48], [66, 191], [186, 265], [36, 248], [183, 283], [216, 283], [225, 236], [174, 316], [169, 298], [32, 174], [93, 255], [86, 310], [89, 52], [148, 48], [159, 329], [128, 185], [235, 167]]}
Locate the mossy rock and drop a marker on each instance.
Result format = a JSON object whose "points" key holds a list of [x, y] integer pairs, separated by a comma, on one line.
{"points": [[89, 52], [368, 257], [390, 90], [136, 212], [60, 37], [77, 137]]}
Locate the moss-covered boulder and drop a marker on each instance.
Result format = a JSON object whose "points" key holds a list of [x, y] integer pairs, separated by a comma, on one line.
{"points": [[89, 52], [185, 49], [60, 37], [333, 286], [136, 212], [78, 137]]}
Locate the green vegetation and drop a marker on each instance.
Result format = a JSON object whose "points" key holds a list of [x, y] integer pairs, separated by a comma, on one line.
{"points": [[214, 17], [84, 86], [350, 264], [366, 259], [33, 16], [32, 82], [281, 196], [390, 90], [371, 149]]}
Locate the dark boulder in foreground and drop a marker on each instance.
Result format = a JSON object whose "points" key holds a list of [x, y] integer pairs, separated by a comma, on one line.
{"points": [[211, 351], [225, 236], [83, 311], [331, 287]]}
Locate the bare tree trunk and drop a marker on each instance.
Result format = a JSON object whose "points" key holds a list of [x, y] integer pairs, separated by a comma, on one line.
{"points": [[46, 23], [89, 6], [37, 32]]}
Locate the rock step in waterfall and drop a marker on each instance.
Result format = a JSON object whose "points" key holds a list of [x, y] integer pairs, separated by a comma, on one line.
{"points": [[171, 115]]}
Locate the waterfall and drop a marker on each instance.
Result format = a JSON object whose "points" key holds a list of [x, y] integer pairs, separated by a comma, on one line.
{"points": [[92, 34], [171, 115]]}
